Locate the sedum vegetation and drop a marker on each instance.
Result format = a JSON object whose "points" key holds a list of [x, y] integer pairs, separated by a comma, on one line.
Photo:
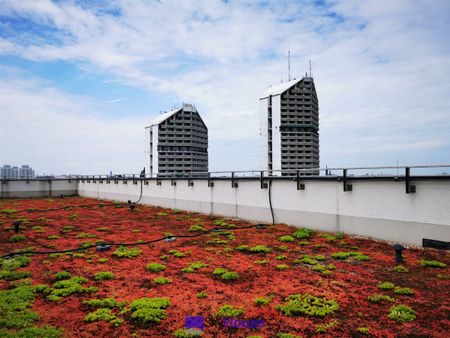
{"points": [[155, 267], [124, 252], [194, 266], [104, 275], [105, 315], [306, 304], [228, 311], [432, 264], [149, 310], [402, 313], [302, 233]]}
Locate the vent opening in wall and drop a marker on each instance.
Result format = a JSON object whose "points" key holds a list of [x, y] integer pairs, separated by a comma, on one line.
{"points": [[434, 243]]}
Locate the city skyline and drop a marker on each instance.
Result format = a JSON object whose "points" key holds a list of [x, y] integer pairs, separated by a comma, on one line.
{"points": [[79, 80]]}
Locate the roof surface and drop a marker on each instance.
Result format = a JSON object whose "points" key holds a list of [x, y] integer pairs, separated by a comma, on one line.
{"points": [[280, 88], [164, 116]]}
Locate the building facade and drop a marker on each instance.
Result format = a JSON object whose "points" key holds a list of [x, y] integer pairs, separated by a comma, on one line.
{"points": [[177, 143], [289, 128], [8, 172]]}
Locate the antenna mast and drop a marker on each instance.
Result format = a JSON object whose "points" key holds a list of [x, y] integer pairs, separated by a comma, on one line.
{"points": [[310, 75], [289, 65]]}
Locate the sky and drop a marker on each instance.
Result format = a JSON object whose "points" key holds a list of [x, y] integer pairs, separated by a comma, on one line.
{"points": [[79, 80]]}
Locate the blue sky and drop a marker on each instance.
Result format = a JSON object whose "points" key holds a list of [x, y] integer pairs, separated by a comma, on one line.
{"points": [[79, 80]]}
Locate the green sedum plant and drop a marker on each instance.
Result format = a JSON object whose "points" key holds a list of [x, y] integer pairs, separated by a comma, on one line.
{"points": [[228, 311], [125, 252], [17, 238], [261, 261], [104, 275], [260, 301], [155, 267], [287, 238], [162, 280], [402, 313], [306, 304], [64, 288], [432, 264], [149, 310], [177, 254], [194, 266], [260, 249], [190, 333], [323, 328], [386, 285], [356, 255], [377, 298], [302, 233], [230, 275], [202, 294], [219, 271], [197, 227], [62, 275], [403, 291], [363, 330], [400, 269], [109, 303], [103, 314]]}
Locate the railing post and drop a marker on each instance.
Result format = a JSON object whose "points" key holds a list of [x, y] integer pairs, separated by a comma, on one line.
{"points": [[410, 188], [264, 185], [210, 181], [300, 186], [347, 187], [233, 183]]}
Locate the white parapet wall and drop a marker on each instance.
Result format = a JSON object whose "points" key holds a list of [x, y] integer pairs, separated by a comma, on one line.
{"points": [[377, 209], [37, 188]]}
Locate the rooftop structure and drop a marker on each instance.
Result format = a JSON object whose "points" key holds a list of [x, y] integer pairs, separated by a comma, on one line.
{"points": [[177, 143], [289, 128]]}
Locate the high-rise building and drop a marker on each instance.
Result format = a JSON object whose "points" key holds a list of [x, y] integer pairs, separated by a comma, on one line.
{"points": [[13, 173], [177, 143], [289, 128]]}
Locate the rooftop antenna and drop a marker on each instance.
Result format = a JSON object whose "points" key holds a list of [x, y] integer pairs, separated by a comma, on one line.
{"points": [[310, 74], [289, 65]]}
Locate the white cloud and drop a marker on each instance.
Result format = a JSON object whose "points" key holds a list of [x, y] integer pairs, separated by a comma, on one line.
{"points": [[381, 68], [56, 133]]}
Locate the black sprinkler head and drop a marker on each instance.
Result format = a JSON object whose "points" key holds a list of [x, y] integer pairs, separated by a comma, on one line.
{"points": [[398, 248]]}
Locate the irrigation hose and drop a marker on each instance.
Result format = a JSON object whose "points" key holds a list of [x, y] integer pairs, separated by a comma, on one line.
{"points": [[270, 203], [11, 254]]}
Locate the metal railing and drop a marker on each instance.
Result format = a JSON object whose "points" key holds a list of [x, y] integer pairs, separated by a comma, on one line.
{"points": [[304, 173], [313, 173]]}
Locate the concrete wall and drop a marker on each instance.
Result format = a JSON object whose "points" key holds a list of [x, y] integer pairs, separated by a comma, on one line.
{"points": [[37, 188], [374, 209]]}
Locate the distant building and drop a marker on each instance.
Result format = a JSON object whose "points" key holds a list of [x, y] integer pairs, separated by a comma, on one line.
{"points": [[8, 172], [177, 143], [289, 128]]}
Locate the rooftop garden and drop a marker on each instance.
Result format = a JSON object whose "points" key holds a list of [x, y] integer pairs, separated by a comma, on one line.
{"points": [[284, 281]]}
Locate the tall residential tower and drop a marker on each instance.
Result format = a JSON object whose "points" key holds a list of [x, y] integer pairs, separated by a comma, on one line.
{"points": [[177, 143], [289, 128]]}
